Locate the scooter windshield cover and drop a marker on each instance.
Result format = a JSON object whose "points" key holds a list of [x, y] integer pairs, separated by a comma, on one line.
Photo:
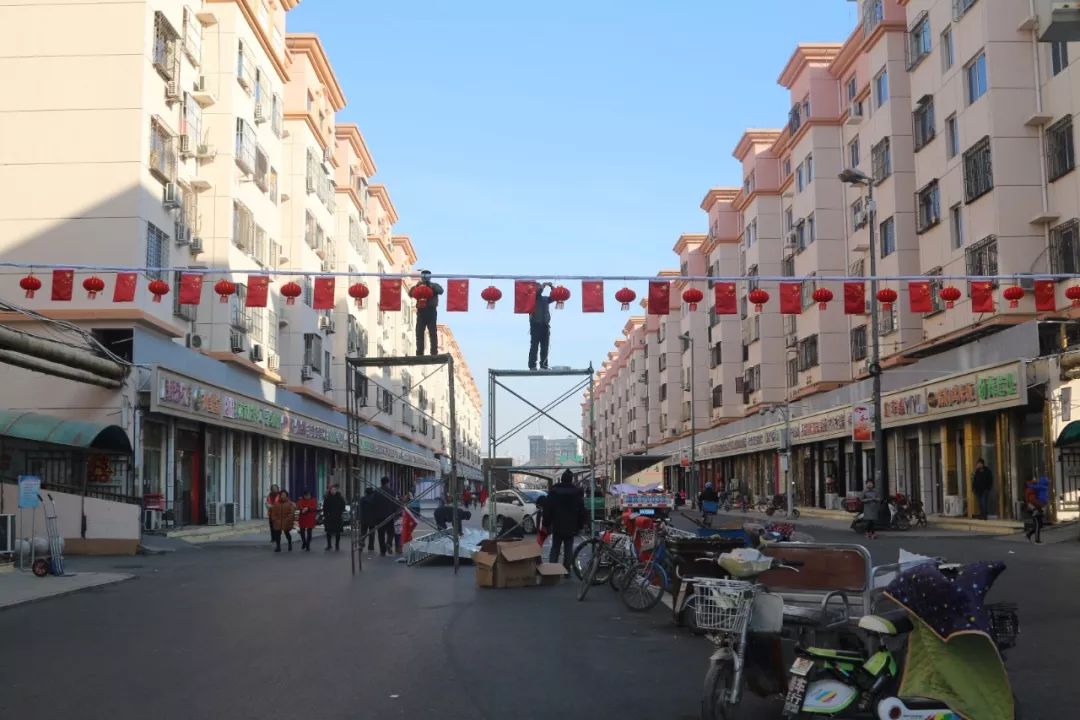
{"points": [[948, 605]]}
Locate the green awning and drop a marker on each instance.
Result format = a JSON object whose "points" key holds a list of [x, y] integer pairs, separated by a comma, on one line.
{"points": [[1069, 434], [60, 431]]}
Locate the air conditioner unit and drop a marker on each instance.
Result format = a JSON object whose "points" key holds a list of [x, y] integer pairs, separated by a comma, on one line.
{"points": [[194, 341], [171, 198], [791, 340], [205, 151], [151, 519], [182, 234], [196, 246], [256, 352], [855, 113], [324, 321], [236, 342], [327, 385], [172, 91], [273, 361], [792, 238], [215, 513], [861, 218], [310, 184], [7, 533], [230, 513], [183, 145], [331, 327], [306, 372]]}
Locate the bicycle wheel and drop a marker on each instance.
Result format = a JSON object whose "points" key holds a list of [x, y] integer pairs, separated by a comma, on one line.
{"points": [[718, 682], [644, 586], [795, 513], [583, 555], [587, 580], [618, 573]]}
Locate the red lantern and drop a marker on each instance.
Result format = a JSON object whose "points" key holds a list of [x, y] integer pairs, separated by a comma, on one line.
{"points": [[1073, 293], [692, 296], [1014, 294], [31, 284], [358, 291], [93, 285], [822, 296], [491, 295], [625, 296], [290, 291], [560, 294], [759, 297], [158, 288], [886, 296], [421, 293], [224, 288], [950, 295]]}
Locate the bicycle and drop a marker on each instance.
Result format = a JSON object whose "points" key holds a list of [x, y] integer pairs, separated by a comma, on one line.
{"points": [[600, 558], [648, 580]]}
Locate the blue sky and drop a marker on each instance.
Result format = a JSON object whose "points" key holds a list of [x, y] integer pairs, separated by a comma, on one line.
{"points": [[558, 137]]}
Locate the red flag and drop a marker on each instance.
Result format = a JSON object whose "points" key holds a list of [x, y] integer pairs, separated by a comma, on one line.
{"points": [[919, 296], [190, 292], [592, 296], [457, 296], [1045, 296], [725, 301], [524, 296], [62, 283], [982, 297], [390, 294], [791, 298], [257, 290], [323, 295], [124, 290], [659, 297], [855, 298], [408, 522]]}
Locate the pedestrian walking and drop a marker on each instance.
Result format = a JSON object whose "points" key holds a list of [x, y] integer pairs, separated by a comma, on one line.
{"points": [[309, 512], [564, 516], [540, 328], [427, 314], [385, 508], [981, 482], [367, 519], [871, 508], [466, 496], [333, 506], [271, 501], [483, 497], [282, 518], [1034, 510]]}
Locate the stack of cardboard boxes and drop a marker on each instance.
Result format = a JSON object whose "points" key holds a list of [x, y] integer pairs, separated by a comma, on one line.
{"points": [[514, 563]]}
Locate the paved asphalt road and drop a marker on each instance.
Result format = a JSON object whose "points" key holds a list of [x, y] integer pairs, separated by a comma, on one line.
{"points": [[236, 631]]}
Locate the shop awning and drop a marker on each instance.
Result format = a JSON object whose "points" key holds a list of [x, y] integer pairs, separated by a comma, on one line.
{"points": [[1069, 434], [61, 431]]}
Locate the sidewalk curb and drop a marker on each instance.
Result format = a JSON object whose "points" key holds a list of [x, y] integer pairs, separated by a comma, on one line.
{"points": [[64, 593]]}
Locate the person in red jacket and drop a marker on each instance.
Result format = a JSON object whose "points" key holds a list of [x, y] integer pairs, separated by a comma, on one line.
{"points": [[309, 510], [1033, 509]]}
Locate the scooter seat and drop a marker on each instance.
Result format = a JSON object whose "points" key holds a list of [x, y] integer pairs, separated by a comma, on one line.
{"points": [[800, 615], [921, 703], [892, 623], [833, 654]]}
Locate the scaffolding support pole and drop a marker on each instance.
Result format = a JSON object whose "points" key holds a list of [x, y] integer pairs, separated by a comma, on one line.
{"points": [[492, 448], [592, 450], [454, 483]]}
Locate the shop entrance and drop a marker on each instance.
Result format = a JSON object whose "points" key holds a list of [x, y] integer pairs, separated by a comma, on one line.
{"points": [[937, 477], [914, 469], [187, 484]]}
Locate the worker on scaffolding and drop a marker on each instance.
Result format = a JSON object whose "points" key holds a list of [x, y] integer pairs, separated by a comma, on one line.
{"points": [[540, 327], [427, 314]]}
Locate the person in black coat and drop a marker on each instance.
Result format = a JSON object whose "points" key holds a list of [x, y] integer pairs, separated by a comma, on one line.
{"points": [[385, 506], [367, 518], [333, 516], [564, 516]]}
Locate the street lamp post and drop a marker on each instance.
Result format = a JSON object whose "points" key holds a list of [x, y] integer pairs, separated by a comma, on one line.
{"points": [[789, 487], [693, 415], [856, 177]]}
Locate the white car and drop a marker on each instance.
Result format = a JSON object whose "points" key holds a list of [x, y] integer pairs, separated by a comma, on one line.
{"points": [[518, 505]]}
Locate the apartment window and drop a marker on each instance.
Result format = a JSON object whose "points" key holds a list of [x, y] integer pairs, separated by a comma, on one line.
{"points": [[858, 214], [245, 69], [888, 237], [239, 315], [271, 331], [787, 266], [245, 146], [881, 160], [309, 232], [243, 228], [811, 233], [748, 183], [952, 137], [800, 236], [806, 293], [795, 119], [789, 221], [186, 312], [919, 40], [165, 37], [858, 343], [881, 88], [978, 170], [976, 78], [853, 153], [718, 396], [272, 186], [1059, 56], [948, 49], [956, 226], [799, 178], [852, 89], [791, 325], [313, 352], [663, 361], [960, 7], [191, 123], [808, 353], [982, 257], [886, 319], [793, 372], [873, 14], [928, 206], [1060, 156], [750, 235], [806, 108], [157, 251], [787, 167], [663, 392], [716, 354], [1065, 248], [752, 379], [809, 168], [192, 36], [277, 122], [262, 169], [162, 151], [936, 285], [923, 122]]}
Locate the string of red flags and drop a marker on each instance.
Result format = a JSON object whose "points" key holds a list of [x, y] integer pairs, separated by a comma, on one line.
{"points": [[925, 294]]}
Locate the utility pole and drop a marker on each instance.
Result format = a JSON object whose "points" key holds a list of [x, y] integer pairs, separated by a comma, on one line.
{"points": [[693, 417]]}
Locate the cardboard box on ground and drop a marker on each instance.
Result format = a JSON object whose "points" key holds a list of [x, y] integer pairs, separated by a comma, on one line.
{"points": [[514, 563]]}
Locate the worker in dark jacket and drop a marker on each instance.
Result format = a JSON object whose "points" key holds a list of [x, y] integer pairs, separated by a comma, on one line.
{"points": [[564, 517], [333, 516], [367, 518], [385, 507], [540, 327], [427, 314]]}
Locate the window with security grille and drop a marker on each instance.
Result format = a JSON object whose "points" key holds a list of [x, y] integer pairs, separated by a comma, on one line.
{"points": [[245, 146], [853, 153], [157, 251], [240, 314], [923, 122], [982, 257], [886, 319], [313, 352], [806, 291], [858, 343], [162, 159], [918, 40], [808, 353], [928, 207], [978, 170], [1059, 56], [792, 371], [887, 237], [187, 312], [1065, 247], [881, 160], [1060, 152], [936, 284], [859, 216], [165, 37]]}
